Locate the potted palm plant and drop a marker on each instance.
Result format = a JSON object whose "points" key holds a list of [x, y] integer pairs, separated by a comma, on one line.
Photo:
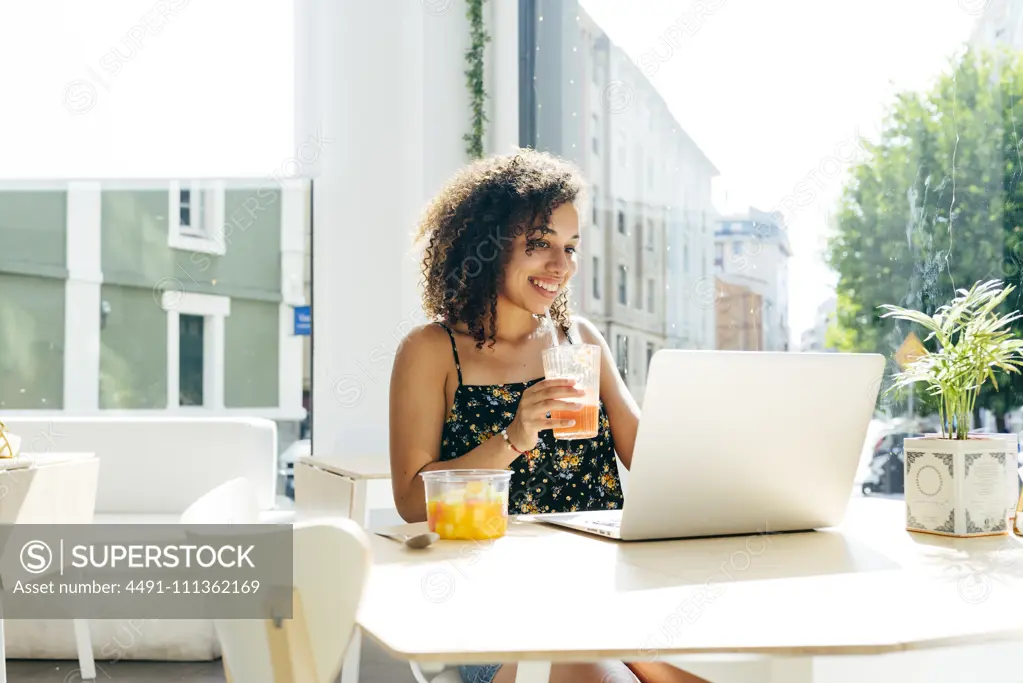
{"points": [[956, 481]]}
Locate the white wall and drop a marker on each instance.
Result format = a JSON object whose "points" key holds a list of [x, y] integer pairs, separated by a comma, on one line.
{"points": [[392, 93]]}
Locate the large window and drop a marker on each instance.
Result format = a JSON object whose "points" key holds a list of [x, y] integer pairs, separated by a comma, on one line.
{"points": [[786, 228], [157, 298], [155, 216]]}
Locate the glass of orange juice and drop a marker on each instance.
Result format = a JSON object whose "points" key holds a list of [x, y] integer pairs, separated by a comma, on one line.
{"points": [[467, 505], [580, 362]]}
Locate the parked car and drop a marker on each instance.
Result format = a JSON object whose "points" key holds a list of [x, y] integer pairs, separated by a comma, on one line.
{"points": [[887, 466]]}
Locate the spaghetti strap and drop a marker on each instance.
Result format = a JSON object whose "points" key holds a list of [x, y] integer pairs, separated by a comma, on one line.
{"points": [[454, 350]]}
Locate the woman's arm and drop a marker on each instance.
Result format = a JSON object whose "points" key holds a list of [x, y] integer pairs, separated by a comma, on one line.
{"points": [[418, 408], [621, 407]]}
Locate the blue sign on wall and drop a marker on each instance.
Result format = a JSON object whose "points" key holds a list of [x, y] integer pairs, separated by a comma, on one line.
{"points": [[303, 321]]}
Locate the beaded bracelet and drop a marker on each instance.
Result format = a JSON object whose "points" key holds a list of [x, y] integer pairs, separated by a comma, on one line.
{"points": [[504, 433]]}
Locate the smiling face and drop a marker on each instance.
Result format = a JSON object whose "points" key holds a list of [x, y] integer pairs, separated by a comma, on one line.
{"points": [[534, 280]]}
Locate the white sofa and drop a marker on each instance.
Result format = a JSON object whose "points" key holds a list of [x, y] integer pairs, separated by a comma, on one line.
{"points": [[151, 469]]}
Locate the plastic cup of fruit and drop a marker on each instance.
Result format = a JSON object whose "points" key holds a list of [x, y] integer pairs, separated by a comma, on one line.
{"points": [[467, 505]]}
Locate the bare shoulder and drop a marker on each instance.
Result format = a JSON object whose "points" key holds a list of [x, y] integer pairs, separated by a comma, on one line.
{"points": [[587, 331], [423, 347]]}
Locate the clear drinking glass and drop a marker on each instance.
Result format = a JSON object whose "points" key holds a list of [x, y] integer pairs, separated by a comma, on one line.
{"points": [[580, 362]]}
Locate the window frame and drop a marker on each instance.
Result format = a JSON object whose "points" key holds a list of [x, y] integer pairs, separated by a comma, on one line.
{"points": [[622, 355], [214, 310], [208, 236]]}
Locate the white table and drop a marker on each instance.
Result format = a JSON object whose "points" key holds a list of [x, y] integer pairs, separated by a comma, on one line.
{"points": [[544, 594], [331, 484], [51, 488]]}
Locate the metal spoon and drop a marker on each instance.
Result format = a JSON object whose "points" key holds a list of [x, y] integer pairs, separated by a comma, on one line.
{"points": [[416, 541]]}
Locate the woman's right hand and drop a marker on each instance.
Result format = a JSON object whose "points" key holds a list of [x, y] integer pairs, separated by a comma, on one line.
{"points": [[537, 401]]}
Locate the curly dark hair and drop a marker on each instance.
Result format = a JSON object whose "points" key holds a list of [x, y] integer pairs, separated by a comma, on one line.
{"points": [[470, 226]]}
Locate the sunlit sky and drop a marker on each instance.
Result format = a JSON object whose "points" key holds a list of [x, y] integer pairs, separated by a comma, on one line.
{"points": [[769, 89], [138, 88]]}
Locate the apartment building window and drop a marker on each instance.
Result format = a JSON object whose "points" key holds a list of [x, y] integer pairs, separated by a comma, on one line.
{"points": [[639, 289], [623, 355], [650, 350], [622, 285], [195, 348], [596, 209], [596, 277], [650, 295], [195, 217], [649, 235], [621, 222]]}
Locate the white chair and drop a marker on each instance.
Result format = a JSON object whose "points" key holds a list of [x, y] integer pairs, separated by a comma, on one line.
{"points": [[233, 502], [331, 564]]}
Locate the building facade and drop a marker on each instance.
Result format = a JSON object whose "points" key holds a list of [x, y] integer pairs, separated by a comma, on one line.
{"points": [[740, 317], [815, 338], [1000, 23], [752, 252], [153, 298], [649, 223]]}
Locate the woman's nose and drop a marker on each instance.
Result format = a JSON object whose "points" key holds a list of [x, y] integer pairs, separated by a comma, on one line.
{"points": [[558, 263]]}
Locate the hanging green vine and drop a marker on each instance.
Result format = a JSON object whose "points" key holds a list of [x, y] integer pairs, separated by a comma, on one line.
{"points": [[474, 78]]}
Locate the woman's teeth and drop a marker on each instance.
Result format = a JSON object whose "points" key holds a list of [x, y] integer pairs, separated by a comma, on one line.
{"points": [[547, 287]]}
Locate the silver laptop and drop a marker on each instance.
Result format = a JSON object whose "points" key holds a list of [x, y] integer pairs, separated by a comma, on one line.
{"points": [[734, 442]]}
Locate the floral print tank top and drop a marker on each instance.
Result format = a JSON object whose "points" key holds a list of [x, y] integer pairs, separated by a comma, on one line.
{"points": [[556, 475]]}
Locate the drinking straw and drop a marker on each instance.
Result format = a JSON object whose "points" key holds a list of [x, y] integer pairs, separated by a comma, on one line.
{"points": [[550, 325]]}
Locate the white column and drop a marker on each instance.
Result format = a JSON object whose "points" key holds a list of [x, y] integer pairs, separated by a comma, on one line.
{"points": [[365, 202], [502, 67], [293, 258], [391, 85], [82, 298]]}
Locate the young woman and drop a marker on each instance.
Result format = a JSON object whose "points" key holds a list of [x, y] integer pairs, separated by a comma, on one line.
{"points": [[468, 390]]}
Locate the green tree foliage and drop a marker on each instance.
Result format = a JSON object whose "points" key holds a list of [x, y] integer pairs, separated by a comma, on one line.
{"points": [[936, 206]]}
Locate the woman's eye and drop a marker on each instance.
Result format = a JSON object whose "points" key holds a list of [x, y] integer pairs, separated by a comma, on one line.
{"points": [[570, 250], [540, 243]]}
